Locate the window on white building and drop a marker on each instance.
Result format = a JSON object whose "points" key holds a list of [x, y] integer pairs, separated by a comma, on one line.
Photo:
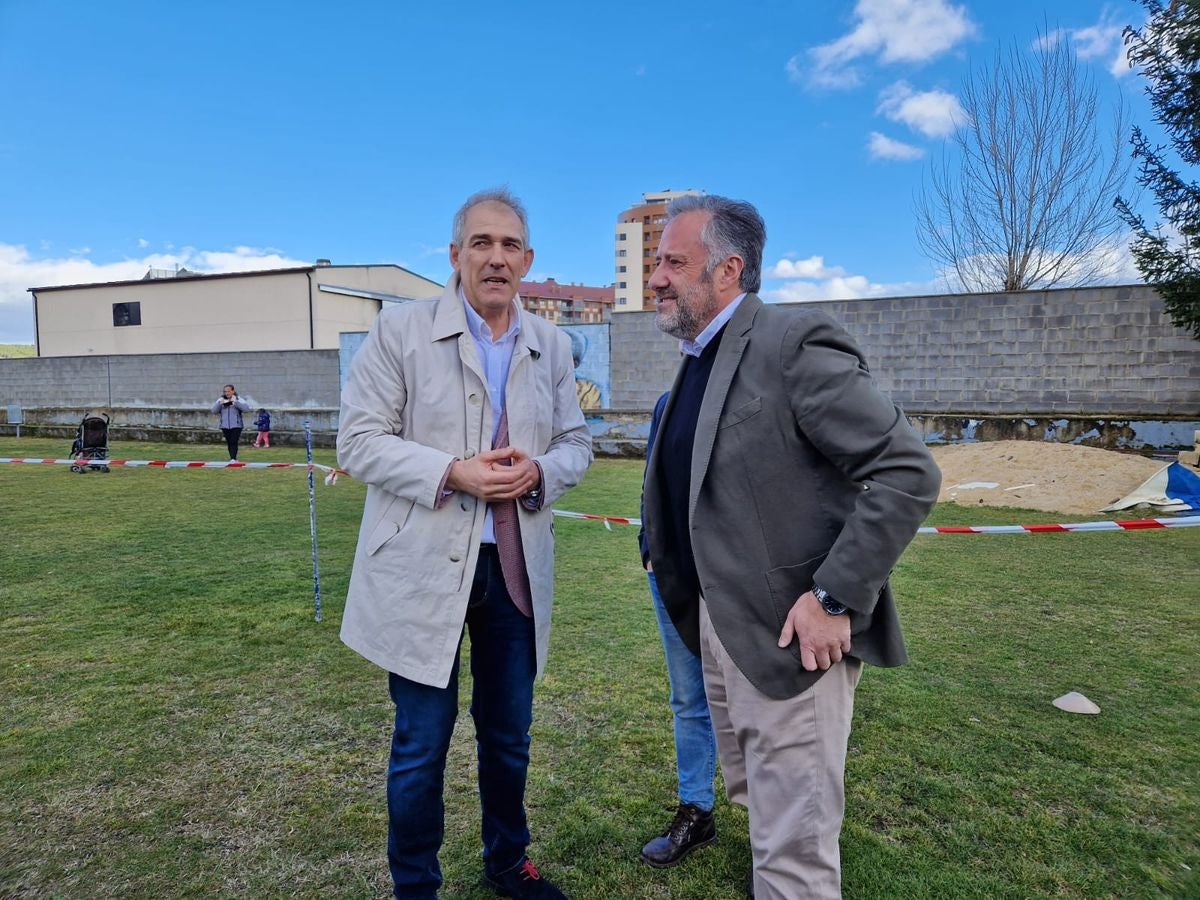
{"points": [[129, 313]]}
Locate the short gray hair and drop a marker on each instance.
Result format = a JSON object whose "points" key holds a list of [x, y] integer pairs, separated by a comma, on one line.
{"points": [[501, 195], [734, 228]]}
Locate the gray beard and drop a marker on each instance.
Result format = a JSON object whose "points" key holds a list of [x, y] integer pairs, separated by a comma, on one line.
{"points": [[681, 324], [693, 311]]}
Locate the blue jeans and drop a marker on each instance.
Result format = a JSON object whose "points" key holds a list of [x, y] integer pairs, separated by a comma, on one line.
{"points": [[503, 664], [695, 746]]}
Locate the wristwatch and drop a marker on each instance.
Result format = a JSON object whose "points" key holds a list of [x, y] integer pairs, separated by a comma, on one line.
{"points": [[827, 602]]}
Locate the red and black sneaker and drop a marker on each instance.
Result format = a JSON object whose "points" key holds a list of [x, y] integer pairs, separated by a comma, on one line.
{"points": [[524, 882]]}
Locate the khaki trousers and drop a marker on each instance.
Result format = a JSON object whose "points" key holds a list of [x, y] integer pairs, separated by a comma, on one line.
{"points": [[784, 760]]}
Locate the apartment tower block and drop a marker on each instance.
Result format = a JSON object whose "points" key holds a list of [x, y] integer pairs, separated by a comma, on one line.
{"points": [[638, 232]]}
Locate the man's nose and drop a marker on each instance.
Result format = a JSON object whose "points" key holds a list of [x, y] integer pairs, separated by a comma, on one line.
{"points": [[496, 256], [657, 281]]}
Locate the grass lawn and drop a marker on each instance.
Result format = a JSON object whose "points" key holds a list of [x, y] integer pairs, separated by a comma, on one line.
{"points": [[174, 723]]}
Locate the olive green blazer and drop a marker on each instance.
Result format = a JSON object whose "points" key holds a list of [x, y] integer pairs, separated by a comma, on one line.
{"points": [[802, 471]]}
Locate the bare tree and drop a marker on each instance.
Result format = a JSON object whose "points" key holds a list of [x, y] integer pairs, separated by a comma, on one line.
{"points": [[1022, 196]]}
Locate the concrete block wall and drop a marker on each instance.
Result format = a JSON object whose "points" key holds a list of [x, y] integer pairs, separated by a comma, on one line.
{"points": [[643, 360], [276, 380], [1094, 353], [1106, 351]]}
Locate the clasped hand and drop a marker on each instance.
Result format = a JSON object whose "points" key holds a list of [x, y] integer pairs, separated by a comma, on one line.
{"points": [[823, 638], [504, 474]]}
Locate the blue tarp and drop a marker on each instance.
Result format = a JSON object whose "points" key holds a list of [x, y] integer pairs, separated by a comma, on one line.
{"points": [[1174, 488]]}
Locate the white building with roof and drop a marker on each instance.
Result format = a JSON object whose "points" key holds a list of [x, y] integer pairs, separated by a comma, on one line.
{"points": [[303, 308]]}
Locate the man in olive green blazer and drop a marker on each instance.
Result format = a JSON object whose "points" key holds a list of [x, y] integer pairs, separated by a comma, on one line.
{"points": [[781, 491]]}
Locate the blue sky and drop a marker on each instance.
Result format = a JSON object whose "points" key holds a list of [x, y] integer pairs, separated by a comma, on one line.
{"points": [[239, 135]]}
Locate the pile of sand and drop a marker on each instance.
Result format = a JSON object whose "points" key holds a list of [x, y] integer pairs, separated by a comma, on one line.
{"points": [[1051, 477]]}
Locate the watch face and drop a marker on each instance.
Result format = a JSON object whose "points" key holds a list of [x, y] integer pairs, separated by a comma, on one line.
{"points": [[830, 605]]}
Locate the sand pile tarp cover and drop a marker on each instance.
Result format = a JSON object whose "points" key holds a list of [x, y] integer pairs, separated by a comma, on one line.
{"points": [[1174, 488]]}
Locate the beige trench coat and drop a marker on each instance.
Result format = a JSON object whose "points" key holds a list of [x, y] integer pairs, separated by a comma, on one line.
{"points": [[415, 399]]}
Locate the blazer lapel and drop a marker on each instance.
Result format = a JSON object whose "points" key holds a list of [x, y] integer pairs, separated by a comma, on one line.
{"points": [[729, 356]]}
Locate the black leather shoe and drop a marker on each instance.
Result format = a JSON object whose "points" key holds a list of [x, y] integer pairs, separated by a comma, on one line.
{"points": [[691, 829], [524, 882]]}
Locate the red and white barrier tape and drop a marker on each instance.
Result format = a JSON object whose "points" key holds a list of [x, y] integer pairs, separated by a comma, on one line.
{"points": [[608, 521], [1104, 525], [333, 473], [330, 476], [1130, 525]]}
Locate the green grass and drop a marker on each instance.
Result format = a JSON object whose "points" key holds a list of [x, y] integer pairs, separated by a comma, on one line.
{"points": [[174, 723], [14, 350]]}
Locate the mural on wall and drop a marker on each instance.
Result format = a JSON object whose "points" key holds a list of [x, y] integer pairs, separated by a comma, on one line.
{"points": [[589, 350], [348, 344]]}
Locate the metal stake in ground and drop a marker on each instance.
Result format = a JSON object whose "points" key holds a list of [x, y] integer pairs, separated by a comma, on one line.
{"points": [[312, 520]]}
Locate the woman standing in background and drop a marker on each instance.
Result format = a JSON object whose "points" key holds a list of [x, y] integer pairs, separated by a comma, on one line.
{"points": [[230, 408]]}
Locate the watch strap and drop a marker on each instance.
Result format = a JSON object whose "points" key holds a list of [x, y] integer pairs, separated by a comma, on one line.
{"points": [[827, 602]]}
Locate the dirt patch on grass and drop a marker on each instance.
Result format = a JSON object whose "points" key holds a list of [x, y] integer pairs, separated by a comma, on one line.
{"points": [[1032, 475]]}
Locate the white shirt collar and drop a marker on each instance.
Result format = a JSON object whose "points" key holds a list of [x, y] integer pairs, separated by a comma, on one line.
{"points": [[696, 347], [480, 329]]}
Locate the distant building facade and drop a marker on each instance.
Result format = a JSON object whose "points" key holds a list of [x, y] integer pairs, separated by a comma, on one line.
{"points": [[567, 304], [303, 308], [638, 232]]}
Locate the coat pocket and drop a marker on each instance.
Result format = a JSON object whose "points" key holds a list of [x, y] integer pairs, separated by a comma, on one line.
{"points": [[787, 583], [389, 525], [741, 414]]}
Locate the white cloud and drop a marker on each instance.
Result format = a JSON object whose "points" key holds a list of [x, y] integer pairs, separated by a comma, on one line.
{"points": [[1104, 40], [1117, 265], [933, 113], [846, 287], [810, 279], [1110, 263], [425, 250], [913, 31], [813, 267], [21, 270], [240, 259], [143, 243], [831, 78], [881, 146]]}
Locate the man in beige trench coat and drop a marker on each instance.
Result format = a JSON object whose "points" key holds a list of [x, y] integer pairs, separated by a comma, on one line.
{"points": [[460, 415]]}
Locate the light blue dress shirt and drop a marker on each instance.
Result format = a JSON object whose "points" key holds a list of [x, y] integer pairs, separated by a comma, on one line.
{"points": [[696, 347], [495, 355]]}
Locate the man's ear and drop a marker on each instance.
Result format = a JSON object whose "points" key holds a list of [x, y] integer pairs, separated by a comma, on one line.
{"points": [[730, 272]]}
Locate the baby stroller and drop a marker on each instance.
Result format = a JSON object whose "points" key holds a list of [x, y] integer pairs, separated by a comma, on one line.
{"points": [[90, 449]]}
